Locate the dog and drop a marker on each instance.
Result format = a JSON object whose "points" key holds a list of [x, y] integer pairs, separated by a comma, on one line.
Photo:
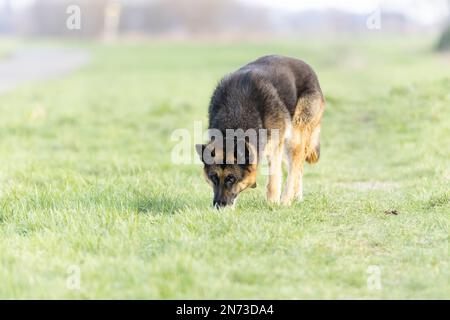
{"points": [[276, 104]]}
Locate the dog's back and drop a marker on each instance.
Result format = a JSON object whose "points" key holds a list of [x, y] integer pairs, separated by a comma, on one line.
{"points": [[261, 92]]}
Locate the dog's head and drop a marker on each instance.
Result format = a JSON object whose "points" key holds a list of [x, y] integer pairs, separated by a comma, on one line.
{"points": [[229, 167]]}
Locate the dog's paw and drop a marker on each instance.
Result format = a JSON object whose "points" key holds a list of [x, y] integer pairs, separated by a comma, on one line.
{"points": [[286, 201], [273, 196], [274, 201]]}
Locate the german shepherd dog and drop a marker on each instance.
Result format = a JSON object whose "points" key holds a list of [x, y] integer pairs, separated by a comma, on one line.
{"points": [[275, 95]]}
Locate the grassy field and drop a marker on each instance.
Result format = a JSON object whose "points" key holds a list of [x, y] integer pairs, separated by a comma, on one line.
{"points": [[88, 189]]}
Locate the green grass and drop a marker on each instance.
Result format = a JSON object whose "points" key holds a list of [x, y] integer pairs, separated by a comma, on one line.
{"points": [[86, 180]]}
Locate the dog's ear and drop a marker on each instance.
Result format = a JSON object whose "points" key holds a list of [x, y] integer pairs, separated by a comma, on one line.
{"points": [[200, 148]]}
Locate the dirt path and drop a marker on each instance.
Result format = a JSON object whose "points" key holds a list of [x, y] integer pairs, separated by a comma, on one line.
{"points": [[25, 66]]}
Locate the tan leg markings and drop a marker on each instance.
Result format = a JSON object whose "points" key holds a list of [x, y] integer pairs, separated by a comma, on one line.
{"points": [[313, 148], [275, 160], [297, 154]]}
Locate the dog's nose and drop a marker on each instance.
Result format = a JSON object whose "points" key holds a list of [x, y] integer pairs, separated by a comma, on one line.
{"points": [[219, 203]]}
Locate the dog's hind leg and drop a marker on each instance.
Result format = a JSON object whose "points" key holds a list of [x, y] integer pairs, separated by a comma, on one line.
{"points": [[313, 147], [295, 147], [304, 144]]}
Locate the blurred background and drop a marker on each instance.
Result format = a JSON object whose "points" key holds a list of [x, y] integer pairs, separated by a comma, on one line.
{"points": [[94, 92], [223, 19]]}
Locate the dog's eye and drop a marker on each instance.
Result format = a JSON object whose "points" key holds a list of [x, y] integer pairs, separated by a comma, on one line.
{"points": [[214, 178], [230, 180]]}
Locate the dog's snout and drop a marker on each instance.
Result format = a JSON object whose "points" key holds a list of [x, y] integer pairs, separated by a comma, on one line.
{"points": [[219, 203]]}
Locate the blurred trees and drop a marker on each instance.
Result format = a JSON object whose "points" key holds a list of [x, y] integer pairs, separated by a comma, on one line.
{"points": [[444, 40], [211, 18], [48, 17]]}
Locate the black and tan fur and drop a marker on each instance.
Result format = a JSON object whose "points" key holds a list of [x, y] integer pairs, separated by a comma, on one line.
{"points": [[272, 93]]}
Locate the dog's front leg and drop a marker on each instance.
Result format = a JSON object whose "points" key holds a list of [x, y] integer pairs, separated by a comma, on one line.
{"points": [[275, 159]]}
